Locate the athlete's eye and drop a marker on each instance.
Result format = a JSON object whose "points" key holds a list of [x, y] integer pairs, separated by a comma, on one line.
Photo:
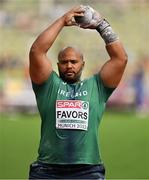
{"points": [[73, 61], [63, 62]]}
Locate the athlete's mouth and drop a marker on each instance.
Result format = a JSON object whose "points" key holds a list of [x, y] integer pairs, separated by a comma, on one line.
{"points": [[69, 73]]}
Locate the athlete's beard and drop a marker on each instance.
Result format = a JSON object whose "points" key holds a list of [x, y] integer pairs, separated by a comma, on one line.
{"points": [[71, 80]]}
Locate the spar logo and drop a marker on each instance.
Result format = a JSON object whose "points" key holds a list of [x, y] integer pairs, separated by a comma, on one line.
{"points": [[78, 104]]}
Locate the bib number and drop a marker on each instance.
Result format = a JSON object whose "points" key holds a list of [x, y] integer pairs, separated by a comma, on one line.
{"points": [[72, 114]]}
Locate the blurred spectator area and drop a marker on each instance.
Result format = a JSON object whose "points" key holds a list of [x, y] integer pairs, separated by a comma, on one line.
{"points": [[15, 86], [22, 20]]}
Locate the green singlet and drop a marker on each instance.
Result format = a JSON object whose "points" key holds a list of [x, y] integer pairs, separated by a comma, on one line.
{"points": [[70, 117]]}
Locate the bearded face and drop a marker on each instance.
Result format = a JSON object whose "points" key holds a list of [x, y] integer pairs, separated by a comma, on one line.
{"points": [[70, 65]]}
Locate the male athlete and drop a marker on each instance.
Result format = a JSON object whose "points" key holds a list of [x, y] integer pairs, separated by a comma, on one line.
{"points": [[70, 108]]}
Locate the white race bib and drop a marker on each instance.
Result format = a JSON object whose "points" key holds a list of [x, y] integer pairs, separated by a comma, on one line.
{"points": [[72, 114]]}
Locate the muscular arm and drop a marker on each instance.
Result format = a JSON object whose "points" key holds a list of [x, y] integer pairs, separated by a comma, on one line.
{"points": [[40, 66], [112, 71]]}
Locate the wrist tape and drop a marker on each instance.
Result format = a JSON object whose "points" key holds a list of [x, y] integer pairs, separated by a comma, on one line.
{"points": [[106, 32]]}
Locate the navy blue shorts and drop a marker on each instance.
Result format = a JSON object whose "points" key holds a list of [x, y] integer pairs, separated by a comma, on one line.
{"points": [[40, 170]]}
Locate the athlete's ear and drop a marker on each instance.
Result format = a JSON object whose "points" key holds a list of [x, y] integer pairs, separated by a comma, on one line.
{"points": [[58, 66], [83, 64]]}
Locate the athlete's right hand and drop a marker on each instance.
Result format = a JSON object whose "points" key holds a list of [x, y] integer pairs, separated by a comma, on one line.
{"points": [[69, 16]]}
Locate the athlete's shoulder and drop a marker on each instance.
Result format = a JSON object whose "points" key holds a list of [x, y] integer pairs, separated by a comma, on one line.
{"points": [[90, 79], [95, 78], [52, 80], [95, 81]]}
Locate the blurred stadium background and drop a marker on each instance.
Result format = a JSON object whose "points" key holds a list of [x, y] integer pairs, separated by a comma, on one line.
{"points": [[124, 131]]}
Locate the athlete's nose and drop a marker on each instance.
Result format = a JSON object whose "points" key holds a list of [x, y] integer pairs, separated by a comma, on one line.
{"points": [[69, 65]]}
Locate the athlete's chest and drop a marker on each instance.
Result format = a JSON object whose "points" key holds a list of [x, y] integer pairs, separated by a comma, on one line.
{"points": [[72, 106], [79, 91]]}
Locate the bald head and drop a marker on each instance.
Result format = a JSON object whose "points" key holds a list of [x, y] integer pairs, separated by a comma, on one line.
{"points": [[68, 49]]}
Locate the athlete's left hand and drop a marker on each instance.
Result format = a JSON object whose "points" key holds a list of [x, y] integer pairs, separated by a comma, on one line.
{"points": [[96, 19]]}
